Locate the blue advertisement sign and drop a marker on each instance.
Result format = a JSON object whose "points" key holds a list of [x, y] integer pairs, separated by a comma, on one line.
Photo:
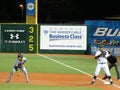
{"points": [[103, 32], [30, 7]]}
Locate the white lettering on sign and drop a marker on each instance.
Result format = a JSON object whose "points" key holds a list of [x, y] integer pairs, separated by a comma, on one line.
{"points": [[107, 32], [12, 36]]}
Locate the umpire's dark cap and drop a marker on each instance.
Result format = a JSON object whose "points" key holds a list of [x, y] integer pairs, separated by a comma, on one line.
{"points": [[101, 46]]}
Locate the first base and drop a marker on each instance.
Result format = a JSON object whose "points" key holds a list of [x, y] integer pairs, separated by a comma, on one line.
{"points": [[105, 82]]}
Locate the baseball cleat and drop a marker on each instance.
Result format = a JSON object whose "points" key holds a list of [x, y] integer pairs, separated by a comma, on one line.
{"points": [[118, 79], [92, 83], [111, 82], [104, 78], [105, 82], [27, 81], [7, 81]]}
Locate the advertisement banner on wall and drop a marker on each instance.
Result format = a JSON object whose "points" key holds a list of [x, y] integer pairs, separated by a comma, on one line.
{"points": [[56, 37], [18, 38], [106, 33]]}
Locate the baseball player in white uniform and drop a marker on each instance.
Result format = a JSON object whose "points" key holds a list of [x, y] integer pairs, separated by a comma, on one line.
{"points": [[101, 56], [19, 64]]}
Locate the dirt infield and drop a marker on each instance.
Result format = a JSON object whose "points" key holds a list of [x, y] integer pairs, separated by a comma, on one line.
{"points": [[79, 80]]}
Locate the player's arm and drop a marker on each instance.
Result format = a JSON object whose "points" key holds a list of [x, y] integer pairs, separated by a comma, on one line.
{"points": [[98, 54], [24, 60], [96, 57], [22, 63], [16, 65], [101, 54]]}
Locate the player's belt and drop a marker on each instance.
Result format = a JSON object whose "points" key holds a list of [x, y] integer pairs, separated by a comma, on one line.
{"points": [[102, 63]]}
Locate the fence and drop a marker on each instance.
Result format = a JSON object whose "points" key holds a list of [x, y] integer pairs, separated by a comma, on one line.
{"points": [[32, 38]]}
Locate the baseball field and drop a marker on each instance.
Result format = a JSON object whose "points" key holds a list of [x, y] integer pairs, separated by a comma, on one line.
{"points": [[54, 72]]}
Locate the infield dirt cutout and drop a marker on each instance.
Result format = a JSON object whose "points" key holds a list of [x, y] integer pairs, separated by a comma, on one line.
{"points": [[80, 80]]}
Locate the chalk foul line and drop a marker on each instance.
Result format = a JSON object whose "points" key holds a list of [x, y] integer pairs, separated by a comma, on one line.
{"points": [[73, 68]]}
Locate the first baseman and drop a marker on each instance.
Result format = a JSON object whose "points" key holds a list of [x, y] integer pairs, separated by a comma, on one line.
{"points": [[101, 57], [19, 64]]}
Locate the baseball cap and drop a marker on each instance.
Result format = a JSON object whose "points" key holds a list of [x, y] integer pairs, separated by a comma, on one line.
{"points": [[20, 55], [101, 46]]}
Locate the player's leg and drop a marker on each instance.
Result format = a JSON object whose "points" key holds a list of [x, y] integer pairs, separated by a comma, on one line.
{"points": [[97, 70], [107, 71], [25, 73], [10, 75], [117, 71], [105, 77]]}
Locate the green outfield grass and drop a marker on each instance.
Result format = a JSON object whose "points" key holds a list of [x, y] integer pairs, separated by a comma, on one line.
{"points": [[39, 87], [40, 64]]}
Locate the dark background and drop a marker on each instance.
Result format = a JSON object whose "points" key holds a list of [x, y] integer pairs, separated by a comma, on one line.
{"points": [[10, 11], [60, 11]]}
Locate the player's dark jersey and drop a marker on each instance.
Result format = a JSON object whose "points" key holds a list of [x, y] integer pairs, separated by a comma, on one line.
{"points": [[112, 59]]}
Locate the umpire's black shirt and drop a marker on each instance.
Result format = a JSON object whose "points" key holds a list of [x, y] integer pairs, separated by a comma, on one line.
{"points": [[112, 59]]}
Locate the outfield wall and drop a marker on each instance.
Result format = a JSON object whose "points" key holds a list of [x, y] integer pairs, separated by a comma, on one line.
{"points": [[18, 38], [32, 38], [62, 39], [106, 33]]}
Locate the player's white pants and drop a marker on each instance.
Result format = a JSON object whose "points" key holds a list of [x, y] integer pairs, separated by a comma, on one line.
{"points": [[103, 66]]}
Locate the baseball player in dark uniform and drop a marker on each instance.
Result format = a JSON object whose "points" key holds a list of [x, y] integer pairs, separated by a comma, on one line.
{"points": [[113, 62], [19, 64]]}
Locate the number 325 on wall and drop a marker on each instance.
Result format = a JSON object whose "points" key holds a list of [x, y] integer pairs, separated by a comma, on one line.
{"points": [[31, 38]]}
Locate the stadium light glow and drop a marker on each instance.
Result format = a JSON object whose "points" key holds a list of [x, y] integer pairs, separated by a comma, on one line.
{"points": [[22, 7]]}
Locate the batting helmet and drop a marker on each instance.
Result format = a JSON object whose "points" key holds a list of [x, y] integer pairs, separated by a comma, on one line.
{"points": [[20, 55]]}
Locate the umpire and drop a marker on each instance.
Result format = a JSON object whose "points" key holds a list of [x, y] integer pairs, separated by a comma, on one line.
{"points": [[113, 62]]}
